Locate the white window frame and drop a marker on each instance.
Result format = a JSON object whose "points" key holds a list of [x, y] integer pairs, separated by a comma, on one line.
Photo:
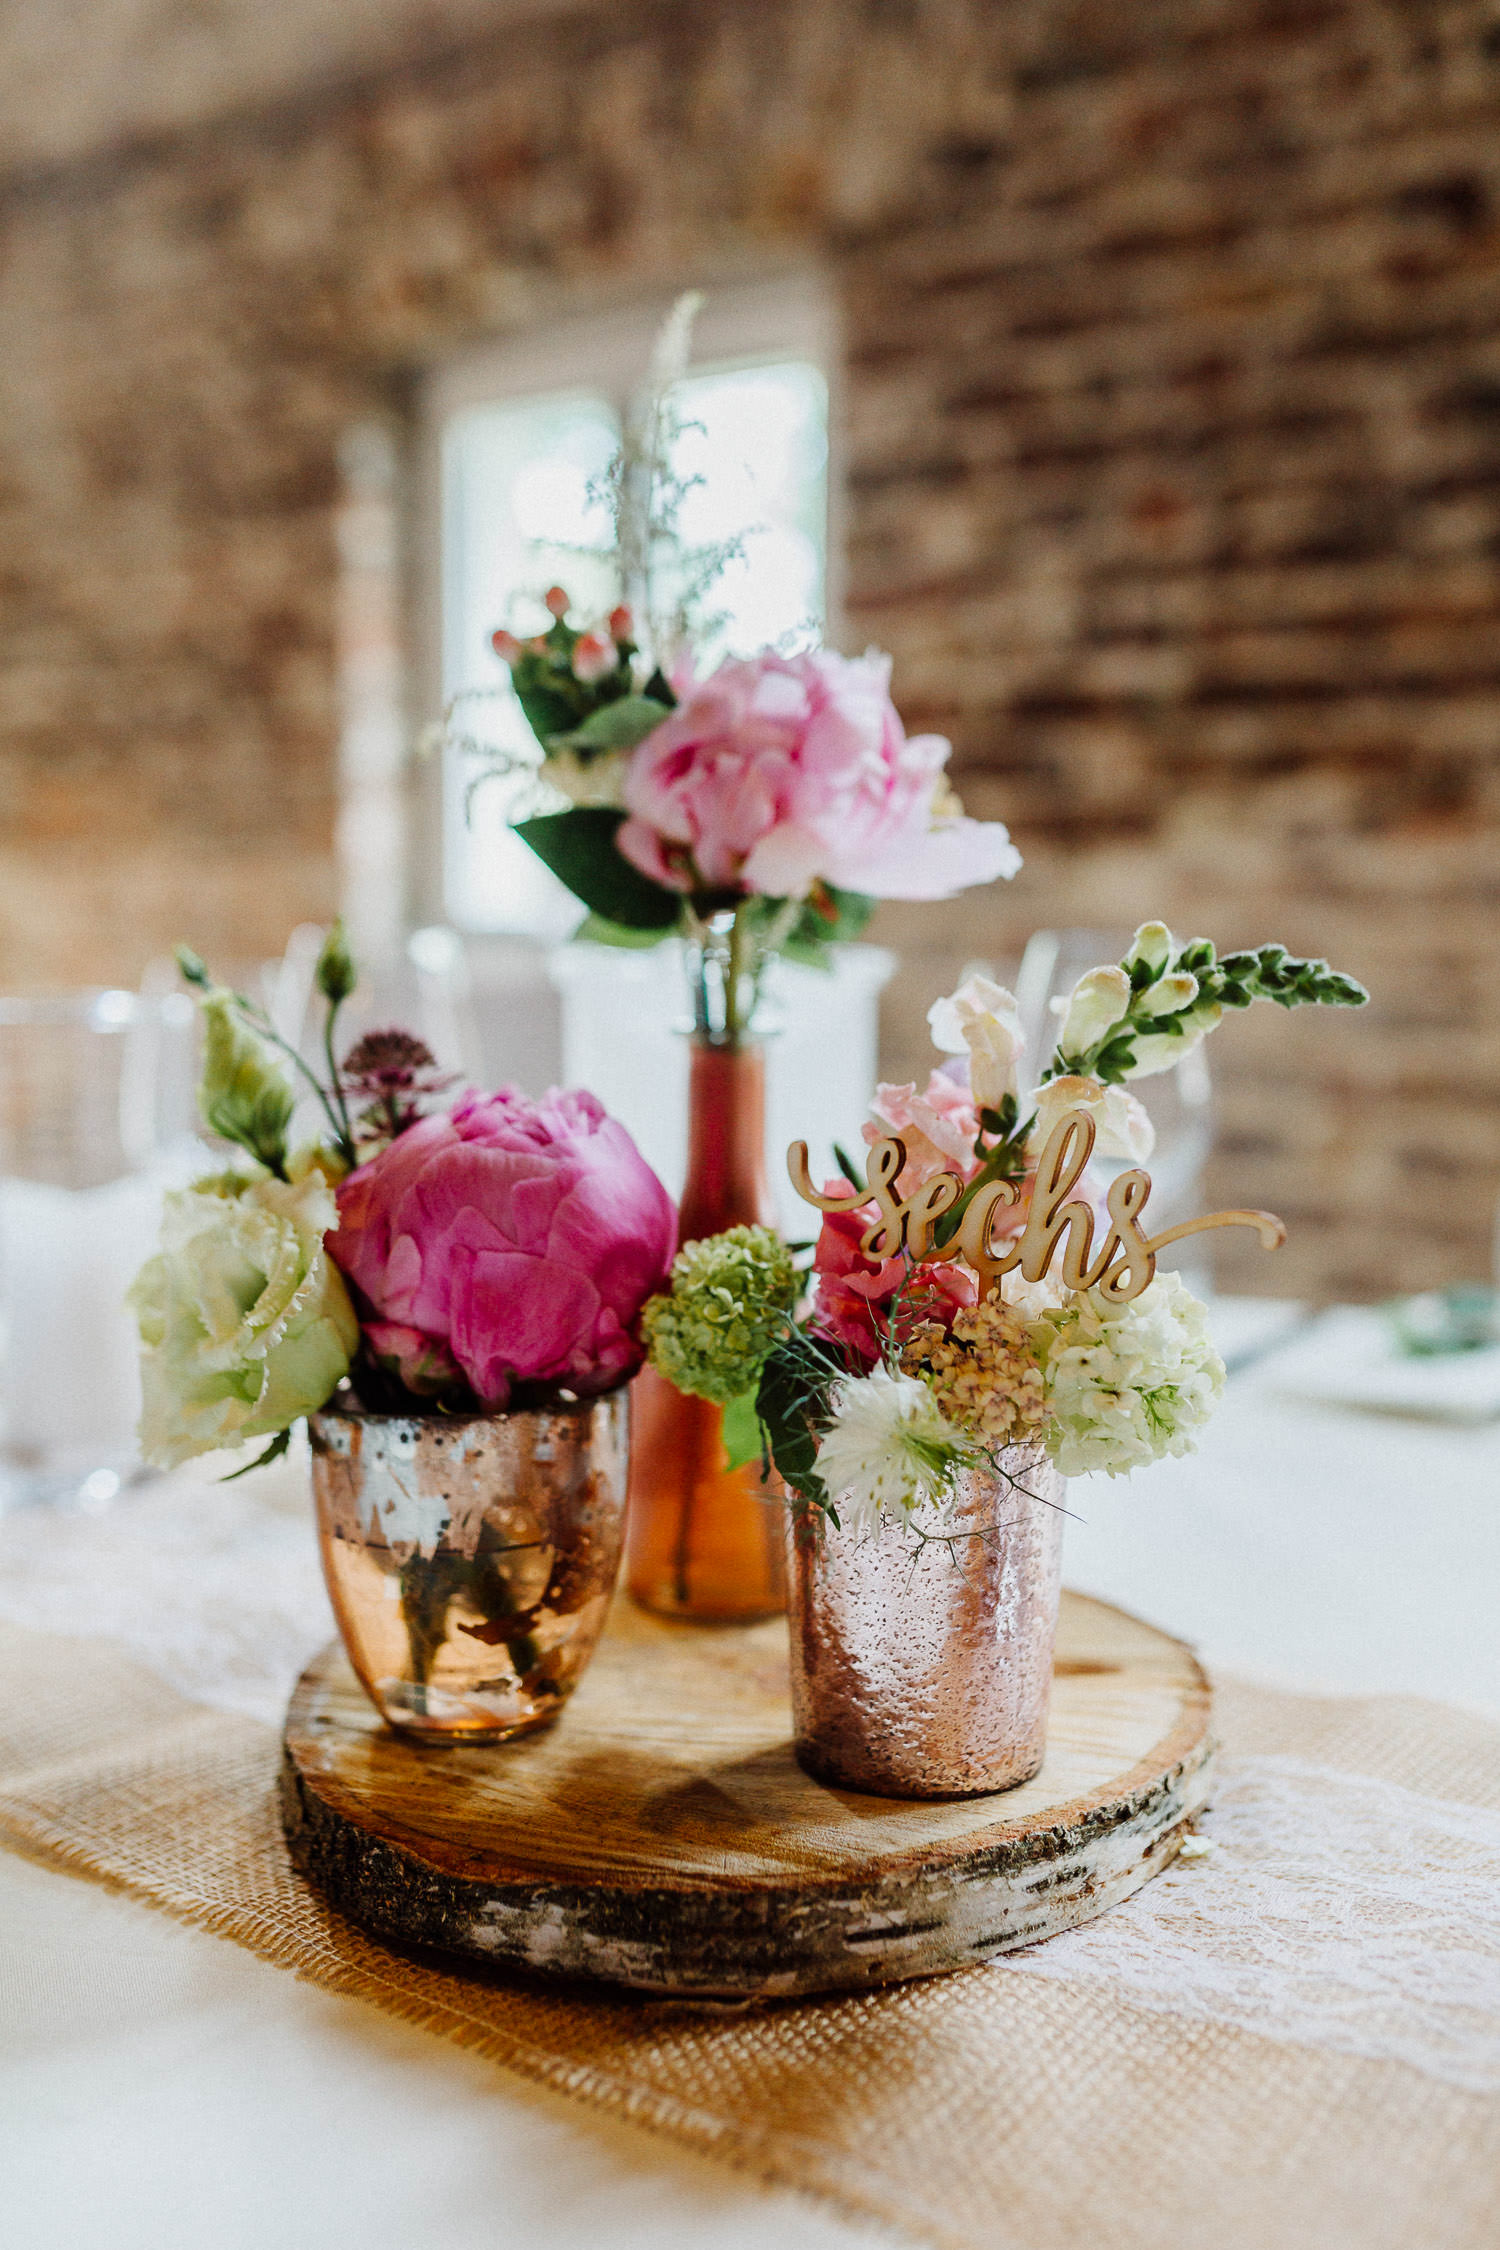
{"points": [[787, 316]]}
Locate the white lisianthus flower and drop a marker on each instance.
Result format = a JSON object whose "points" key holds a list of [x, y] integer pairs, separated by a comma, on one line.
{"points": [[1126, 1384], [1121, 1125], [889, 1448], [982, 1018], [1098, 1000], [245, 1321]]}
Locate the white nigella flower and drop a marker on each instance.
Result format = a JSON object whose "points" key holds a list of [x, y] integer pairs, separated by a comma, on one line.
{"points": [[1122, 1126], [1127, 1384], [889, 1448], [982, 1018]]}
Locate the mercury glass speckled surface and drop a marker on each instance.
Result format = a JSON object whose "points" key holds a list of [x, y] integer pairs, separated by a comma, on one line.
{"points": [[470, 1560], [923, 1667]]}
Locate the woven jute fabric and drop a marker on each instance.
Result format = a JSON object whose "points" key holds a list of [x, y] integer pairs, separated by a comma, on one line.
{"points": [[985, 2109]]}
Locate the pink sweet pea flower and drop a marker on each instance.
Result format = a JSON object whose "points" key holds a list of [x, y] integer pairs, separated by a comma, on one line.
{"points": [[522, 1236], [780, 771]]}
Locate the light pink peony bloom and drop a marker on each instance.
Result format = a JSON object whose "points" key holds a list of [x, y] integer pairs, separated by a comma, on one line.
{"points": [[526, 1236], [780, 770], [938, 1127]]}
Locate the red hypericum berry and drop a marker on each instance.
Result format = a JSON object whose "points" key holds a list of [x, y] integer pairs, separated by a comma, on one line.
{"points": [[621, 624], [505, 646], [593, 656], [557, 601]]}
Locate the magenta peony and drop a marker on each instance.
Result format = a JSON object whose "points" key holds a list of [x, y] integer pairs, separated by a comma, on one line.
{"points": [[523, 1236], [779, 771]]}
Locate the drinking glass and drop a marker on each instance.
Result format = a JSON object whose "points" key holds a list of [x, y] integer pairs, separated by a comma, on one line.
{"points": [[93, 1125]]}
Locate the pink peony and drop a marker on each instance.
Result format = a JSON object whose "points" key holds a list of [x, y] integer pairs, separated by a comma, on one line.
{"points": [[938, 1127], [780, 770], [525, 1236], [854, 1295]]}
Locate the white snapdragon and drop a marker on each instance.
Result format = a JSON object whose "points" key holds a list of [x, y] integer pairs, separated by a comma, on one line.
{"points": [[888, 1449], [1126, 1384], [1163, 1050], [1099, 1000], [1121, 1124], [1152, 947], [982, 1019]]}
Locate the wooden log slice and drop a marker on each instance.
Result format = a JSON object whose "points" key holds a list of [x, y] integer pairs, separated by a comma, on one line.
{"points": [[662, 1835]]}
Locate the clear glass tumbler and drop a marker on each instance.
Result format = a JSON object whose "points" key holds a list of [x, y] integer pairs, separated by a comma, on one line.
{"points": [[86, 1146]]}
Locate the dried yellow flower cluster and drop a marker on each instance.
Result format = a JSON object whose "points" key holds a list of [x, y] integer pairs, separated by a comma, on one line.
{"points": [[983, 1374]]}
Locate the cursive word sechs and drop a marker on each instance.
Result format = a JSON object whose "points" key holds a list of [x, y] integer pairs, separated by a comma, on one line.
{"points": [[1121, 1268]]}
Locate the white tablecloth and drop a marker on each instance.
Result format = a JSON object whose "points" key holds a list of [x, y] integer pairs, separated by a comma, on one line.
{"points": [[161, 2088]]}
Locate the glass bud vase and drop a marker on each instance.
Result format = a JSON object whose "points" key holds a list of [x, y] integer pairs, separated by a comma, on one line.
{"points": [[703, 1540], [922, 1666]]}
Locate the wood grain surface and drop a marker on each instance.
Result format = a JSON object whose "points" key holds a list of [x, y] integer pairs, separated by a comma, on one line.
{"points": [[662, 1835]]}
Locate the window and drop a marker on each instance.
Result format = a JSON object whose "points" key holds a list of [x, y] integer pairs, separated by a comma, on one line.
{"points": [[518, 436]]}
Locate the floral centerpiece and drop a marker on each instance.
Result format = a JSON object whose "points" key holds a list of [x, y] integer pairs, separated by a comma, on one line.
{"points": [[941, 1382], [451, 1297], [758, 810]]}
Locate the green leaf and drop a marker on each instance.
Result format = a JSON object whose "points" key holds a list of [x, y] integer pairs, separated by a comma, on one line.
{"points": [[829, 917], [595, 930], [549, 711], [278, 1445], [785, 1404], [579, 847], [742, 1430], [614, 726], [845, 1163]]}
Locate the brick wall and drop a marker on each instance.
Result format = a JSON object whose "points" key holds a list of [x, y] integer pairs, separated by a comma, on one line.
{"points": [[1173, 445]]}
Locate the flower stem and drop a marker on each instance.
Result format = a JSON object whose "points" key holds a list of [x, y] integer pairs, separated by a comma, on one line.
{"points": [[346, 1135], [740, 944], [261, 1024]]}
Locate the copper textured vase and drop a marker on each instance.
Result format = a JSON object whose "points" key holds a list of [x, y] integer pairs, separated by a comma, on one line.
{"points": [[470, 1560], [705, 1540], [922, 1667]]}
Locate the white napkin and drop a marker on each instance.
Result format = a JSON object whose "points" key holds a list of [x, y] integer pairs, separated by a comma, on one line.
{"points": [[1349, 1357]]}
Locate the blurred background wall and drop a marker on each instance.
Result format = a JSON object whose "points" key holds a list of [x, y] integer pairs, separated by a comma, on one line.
{"points": [[1168, 419]]}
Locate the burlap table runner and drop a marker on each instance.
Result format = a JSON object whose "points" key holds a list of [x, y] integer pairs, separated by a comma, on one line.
{"points": [[989, 2108]]}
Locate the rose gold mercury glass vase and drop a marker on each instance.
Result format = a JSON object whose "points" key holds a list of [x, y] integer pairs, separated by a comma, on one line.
{"points": [[470, 1559], [923, 1667]]}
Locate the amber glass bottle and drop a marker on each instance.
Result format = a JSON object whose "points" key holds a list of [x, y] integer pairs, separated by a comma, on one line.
{"points": [[703, 1540]]}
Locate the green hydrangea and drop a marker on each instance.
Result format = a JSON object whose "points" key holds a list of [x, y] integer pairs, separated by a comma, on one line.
{"points": [[730, 1299]]}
